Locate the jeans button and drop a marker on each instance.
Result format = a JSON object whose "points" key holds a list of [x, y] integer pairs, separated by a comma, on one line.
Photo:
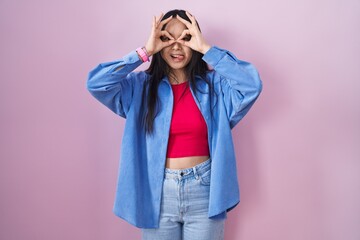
{"points": [[181, 174]]}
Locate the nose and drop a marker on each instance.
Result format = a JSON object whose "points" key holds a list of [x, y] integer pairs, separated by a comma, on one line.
{"points": [[176, 45]]}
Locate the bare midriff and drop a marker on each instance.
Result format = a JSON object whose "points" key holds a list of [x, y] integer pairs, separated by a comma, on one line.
{"points": [[185, 162]]}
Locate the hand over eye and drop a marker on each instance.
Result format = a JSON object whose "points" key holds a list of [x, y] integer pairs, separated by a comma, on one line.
{"points": [[192, 36], [158, 38], [164, 38], [186, 38]]}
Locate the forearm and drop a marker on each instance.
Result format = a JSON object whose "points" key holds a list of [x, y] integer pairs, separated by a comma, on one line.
{"points": [[237, 72], [109, 73]]}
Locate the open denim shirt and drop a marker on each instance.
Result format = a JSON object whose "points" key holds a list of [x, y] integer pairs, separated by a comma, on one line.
{"points": [[115, 84]]}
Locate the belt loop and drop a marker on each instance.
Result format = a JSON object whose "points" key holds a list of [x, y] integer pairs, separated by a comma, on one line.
{"points": [[195, 173]]}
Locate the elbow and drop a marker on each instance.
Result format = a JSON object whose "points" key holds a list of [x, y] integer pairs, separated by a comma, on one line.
{"points": [[89, 85], [257, 84], [92, 82], [94, 77], [259, 87]]}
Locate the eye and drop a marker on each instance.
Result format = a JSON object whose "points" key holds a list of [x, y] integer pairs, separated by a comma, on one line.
{"points": [[187, 37], [164, 38]]}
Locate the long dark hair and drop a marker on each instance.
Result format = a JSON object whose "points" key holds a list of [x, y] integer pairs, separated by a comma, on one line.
{"points": [[158, 69]]}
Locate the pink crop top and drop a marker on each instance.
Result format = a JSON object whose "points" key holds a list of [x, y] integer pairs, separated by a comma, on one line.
{"points": [[188, 129]]}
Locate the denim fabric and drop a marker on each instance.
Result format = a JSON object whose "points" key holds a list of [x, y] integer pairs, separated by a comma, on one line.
{"points": [[184, 207], [235, 86]]}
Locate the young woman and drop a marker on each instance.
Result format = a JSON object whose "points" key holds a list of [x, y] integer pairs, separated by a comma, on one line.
{"points": [[177, 175]]}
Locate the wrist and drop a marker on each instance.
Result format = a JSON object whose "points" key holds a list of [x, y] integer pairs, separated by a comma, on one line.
{"points": [[205, 48], [143, 54], [149, 51]]}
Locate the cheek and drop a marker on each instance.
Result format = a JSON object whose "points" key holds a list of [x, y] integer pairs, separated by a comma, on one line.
{"points": [[189, 53], [187, 50], [163, 54]]}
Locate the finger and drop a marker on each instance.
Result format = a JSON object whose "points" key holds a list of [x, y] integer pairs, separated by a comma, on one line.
{"points": [[167, 34], [163, 22], [187, 24], [184, 33], [185, 43], [166, 44], [182, 42], [191, 17], [170, 42], [158, 20], [154, 22]]}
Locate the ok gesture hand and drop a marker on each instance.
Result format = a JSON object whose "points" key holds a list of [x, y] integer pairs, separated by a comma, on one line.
{"points": [[197, 41], [154, 43]]}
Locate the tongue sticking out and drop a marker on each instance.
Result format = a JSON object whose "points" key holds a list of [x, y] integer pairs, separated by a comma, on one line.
{"points": [[177, 57]]}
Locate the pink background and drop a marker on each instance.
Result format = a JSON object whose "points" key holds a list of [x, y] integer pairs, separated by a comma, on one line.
{"points": [[297, 149]]}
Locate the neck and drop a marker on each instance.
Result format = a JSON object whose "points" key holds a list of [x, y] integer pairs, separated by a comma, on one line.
{"points": [[177, 76]]}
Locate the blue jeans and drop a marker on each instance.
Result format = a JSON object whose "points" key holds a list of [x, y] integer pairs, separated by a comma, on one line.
{"points": [[184, 207]]}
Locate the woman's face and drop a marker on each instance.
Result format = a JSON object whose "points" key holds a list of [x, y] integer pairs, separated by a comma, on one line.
{"points": [[177, 56]]}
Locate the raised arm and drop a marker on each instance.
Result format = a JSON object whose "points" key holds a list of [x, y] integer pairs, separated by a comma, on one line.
{"points": [[240, 83], [239, 80], [111, 83]]}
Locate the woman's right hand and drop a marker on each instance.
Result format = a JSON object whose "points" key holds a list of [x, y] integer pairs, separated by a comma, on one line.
{"points": [[154, 43]]}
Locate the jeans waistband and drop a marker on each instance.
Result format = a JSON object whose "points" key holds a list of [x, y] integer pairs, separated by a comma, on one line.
{"points": [[187, 172]]}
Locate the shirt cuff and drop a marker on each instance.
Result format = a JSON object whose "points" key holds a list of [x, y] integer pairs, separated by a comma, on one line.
{"points": [[132, 57], [214, 55]]}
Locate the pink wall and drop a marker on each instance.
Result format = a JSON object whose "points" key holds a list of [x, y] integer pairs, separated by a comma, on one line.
{"points": [[298, 148]]}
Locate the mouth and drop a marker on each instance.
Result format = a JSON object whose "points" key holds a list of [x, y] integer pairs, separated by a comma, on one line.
{"points": [[177, 57]]}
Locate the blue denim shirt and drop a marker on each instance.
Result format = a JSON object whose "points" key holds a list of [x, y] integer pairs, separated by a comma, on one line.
{"points": [[115, 84]]}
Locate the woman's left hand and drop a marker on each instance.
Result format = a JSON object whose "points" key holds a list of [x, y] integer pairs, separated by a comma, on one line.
{"points": [[197, 41]]}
